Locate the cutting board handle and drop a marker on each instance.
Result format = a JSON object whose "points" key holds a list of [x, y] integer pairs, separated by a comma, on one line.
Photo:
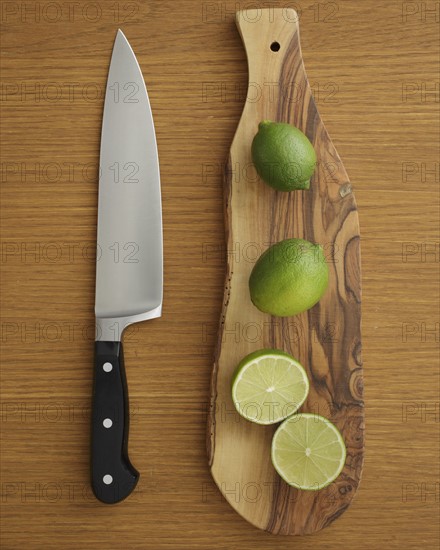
{"points": [[279, 89], [113, 476], [271, 40]]}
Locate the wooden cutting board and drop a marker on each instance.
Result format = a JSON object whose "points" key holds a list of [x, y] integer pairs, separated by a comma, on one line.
{"points": [[326, 339]]}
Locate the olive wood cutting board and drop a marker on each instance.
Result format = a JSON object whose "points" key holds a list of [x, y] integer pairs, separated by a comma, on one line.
{"points": [[325, 339]]}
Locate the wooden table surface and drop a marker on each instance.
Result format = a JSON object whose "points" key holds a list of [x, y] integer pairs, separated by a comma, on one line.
{"points": [[374, 68]]}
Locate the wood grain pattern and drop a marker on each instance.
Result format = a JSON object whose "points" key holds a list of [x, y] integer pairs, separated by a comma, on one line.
{"points": [[327, 337], [371, 70]]}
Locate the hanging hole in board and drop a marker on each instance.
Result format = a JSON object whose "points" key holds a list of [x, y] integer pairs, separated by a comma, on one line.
{"points": [[275, 46]]}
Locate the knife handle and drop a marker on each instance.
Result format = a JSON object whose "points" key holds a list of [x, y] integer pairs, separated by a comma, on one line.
{"points": [[113, 476]]}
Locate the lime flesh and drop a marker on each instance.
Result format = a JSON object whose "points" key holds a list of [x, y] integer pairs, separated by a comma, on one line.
{"points": [[268, 386], [308, 451]]}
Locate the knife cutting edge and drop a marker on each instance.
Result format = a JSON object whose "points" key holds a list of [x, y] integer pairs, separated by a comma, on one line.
{"points": [[129, 266]]}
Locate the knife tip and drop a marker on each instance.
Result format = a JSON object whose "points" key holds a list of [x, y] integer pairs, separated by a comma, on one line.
{"points": [[121, 38]]}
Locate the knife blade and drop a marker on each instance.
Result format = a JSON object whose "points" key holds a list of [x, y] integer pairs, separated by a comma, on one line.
{"points": [[129, 262]]}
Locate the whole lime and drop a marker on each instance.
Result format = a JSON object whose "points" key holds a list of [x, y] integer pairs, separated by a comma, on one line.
{"points": [[289, 277], [283, 156]]}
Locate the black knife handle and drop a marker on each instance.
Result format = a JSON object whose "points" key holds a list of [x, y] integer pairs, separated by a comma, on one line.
{"points": [[113, 476]]}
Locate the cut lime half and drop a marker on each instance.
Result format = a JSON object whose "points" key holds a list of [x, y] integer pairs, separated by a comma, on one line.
{"points": [[308, 451], [268, 386]]}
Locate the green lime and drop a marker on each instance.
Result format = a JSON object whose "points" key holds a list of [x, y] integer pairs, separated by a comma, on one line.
{"points": [[289, 277], [283, 156], [308, 451], [268, 386]]}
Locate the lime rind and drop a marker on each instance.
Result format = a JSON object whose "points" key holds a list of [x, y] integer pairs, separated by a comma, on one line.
{"points": [[267, 381], [283, 156], [289, 277], [324, 469]]}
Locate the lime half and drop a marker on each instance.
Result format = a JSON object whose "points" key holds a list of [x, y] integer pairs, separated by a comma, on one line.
{"points": [[268, 386], [308, 451]]}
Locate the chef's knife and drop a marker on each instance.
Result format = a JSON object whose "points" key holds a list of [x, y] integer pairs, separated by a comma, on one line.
{"points": [[129, 273]]}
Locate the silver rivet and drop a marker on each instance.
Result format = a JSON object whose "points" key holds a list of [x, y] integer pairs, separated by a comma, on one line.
{"points": [[107, 479], [107, 423], [107, 367]]}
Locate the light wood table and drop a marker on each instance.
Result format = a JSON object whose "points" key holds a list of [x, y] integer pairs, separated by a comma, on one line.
{"points": [[374, 69]]}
